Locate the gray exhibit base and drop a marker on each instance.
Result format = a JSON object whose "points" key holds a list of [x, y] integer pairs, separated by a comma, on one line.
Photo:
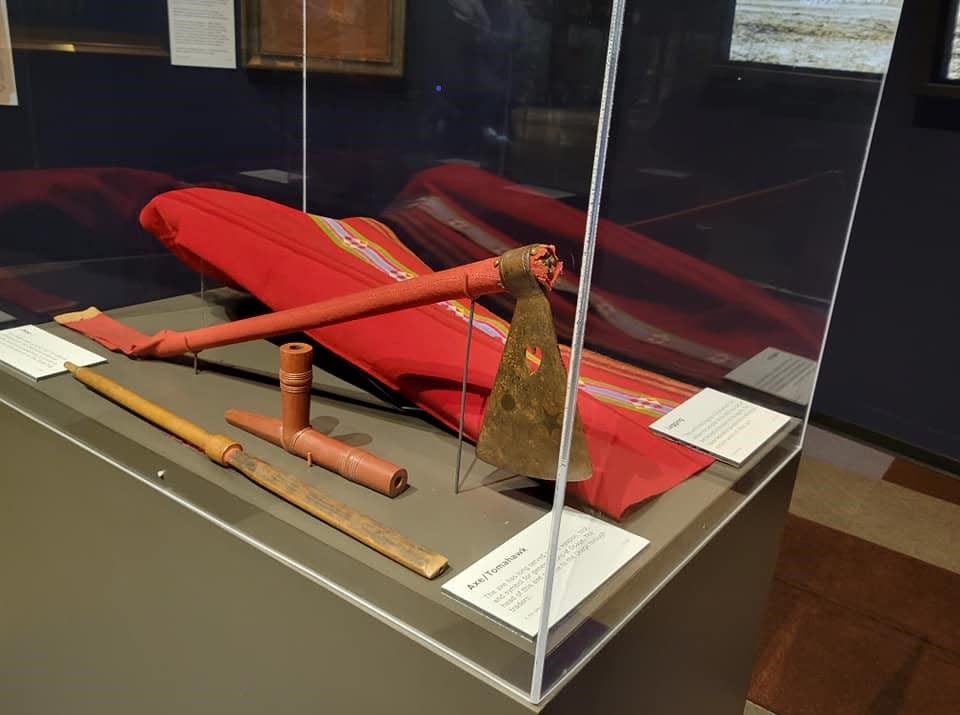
{"points": [[118, 599]]}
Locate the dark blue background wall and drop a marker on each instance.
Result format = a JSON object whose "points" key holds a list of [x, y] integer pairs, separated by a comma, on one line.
{"points": [[891, 362]]}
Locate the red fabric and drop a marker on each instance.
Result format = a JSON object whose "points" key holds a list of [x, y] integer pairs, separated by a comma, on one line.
{"points": [[282, 257], [112, 334], [649, 301]]}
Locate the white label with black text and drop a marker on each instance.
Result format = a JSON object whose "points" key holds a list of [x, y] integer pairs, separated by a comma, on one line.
{"points": [[507, 583], [202, 33], [727, 427], [38, 354]]}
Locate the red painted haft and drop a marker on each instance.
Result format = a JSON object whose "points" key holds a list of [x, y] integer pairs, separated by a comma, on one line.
{"points": [[461, 283]]}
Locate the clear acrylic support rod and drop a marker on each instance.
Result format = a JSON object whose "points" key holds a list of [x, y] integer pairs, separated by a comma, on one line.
{"points": [[203, 297], [463, 396]]}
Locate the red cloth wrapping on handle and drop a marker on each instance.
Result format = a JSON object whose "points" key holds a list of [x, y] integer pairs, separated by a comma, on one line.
{"points": [[287, 258], [463, 282]]}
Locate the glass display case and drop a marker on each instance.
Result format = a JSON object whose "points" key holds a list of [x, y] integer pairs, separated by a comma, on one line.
{"points": [[488, 248]]}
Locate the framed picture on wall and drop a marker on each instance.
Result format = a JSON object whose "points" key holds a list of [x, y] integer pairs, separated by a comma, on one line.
{"points": [[343, 36]]}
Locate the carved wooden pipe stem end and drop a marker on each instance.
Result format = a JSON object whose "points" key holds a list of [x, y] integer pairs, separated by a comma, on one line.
{"points": [[294, 434]]}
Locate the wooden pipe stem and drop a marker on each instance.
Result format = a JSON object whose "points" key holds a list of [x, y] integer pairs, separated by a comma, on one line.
{"points": [[353, 463], [294, 434], [227, 452], [215, 446], [351, 522]]}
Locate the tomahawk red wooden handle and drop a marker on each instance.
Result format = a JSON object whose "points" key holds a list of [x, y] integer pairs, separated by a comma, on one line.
{"points": [[463, 282]]}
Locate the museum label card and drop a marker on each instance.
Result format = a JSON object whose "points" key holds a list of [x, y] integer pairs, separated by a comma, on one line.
{"points": [[727, 427], [507, 583], [778, 373], [38, 354], [202, 33]]}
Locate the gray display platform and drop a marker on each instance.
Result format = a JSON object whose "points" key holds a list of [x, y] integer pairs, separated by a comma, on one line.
{"points": [[115, 583]]}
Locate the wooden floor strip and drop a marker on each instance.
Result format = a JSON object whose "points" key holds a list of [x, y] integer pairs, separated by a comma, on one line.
{"points": [[923, 479], [879, 511]]}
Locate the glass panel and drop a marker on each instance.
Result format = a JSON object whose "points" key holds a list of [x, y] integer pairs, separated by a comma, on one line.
{"points": [[450, 138], [101, 128], [737, 145], [359, 147]]}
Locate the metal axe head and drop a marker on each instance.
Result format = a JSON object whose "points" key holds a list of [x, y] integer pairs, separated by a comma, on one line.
{"points": [[522, 423]]}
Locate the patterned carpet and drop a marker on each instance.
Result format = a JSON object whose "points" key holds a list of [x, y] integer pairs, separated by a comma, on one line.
{"points": [[854, 627]]}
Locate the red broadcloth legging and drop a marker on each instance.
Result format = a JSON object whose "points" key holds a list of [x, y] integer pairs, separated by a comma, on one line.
{"points": [[286, 258]]}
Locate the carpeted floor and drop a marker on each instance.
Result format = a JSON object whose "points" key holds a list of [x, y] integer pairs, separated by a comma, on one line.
{"points": [[853, 628]]}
